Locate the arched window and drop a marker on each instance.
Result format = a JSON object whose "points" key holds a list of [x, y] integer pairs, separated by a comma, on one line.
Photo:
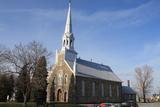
{"points": [[60, 78], [110, 90], [54, 81], [64, 43], [83, 88], [93, 88], [102, 90], [65, 97], [71, 43], [67, 42], [117, 91], [65, 79]]}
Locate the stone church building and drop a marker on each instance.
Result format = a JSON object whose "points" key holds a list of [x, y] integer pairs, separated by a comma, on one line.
{"points": [[75, 80]]}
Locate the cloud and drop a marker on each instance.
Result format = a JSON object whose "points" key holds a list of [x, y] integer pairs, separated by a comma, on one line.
{"points": [[32, 21], [151, 55], [134, 16], [42, 13], [118, 18]]}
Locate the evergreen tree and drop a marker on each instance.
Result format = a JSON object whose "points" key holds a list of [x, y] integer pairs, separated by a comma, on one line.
{"points": [[11, 86], [23, 85], [3, 87], [18, 94], [40, 79], [6, 86]]}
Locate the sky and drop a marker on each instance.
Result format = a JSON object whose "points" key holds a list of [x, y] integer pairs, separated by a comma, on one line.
{"points": [[123, 34]]}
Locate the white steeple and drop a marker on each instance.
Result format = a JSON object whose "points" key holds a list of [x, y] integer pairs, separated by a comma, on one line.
{"points": [[68, 38], [68, 27]]}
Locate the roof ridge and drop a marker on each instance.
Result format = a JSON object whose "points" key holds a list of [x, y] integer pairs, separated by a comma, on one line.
{"points": [[92, 61], [95, 65]]}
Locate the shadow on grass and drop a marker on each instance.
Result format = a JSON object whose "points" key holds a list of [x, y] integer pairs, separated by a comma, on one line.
{"points": [[14, 104]]}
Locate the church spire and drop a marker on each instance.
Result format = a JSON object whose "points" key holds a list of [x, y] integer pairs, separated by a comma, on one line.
{"points": [[68, 28], [68, 38]]}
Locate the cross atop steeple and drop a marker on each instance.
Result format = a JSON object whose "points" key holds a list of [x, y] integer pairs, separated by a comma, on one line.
{"points": [[68, 38]]}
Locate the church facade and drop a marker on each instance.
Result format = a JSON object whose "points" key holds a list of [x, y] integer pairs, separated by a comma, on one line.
{"points": [[75, 80]]}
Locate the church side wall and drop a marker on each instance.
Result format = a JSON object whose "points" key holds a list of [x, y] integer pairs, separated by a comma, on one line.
{"points": [[98, 97]]}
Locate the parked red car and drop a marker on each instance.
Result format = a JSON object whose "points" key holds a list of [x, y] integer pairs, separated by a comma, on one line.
{"points": [[107, 105]]}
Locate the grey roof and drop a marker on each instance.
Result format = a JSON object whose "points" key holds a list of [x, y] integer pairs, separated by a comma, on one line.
{"points": [[127, 90], [94, 65], [93, 70]]}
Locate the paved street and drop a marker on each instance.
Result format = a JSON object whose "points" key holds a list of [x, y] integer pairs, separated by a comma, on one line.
{"points": [[140, 105], [149, 105]]}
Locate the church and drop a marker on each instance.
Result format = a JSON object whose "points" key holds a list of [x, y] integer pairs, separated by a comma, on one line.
{"points": [[75, 80]]}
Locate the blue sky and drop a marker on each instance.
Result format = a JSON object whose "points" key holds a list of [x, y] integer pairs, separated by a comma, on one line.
{"points": [[123, 34]]}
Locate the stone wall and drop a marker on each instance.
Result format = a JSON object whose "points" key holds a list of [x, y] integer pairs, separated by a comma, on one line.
{"points": [[61, 86], [88, 98]]}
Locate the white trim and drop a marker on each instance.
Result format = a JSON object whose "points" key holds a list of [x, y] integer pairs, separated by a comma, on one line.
{"points": [[69, 66], [72, 72]]}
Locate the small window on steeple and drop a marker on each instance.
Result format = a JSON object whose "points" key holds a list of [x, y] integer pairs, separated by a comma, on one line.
{"points": [[64, 43], [71, 43], [67, 42]]}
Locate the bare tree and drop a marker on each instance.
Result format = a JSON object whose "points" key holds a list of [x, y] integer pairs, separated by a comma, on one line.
{"points": [[25, 56], [2, 50], [144, 80], [3, 64]]}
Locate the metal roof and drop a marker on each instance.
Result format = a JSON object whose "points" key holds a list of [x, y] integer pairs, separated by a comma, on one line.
{"points": [[127, 90], [94, 65], [93, 70]]}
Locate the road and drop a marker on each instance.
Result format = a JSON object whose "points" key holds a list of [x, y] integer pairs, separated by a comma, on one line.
{"points": [[140, 105], [149, 104]]}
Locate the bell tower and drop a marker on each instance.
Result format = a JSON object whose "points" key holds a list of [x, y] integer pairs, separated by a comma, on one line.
{"points": [[68, 38]]}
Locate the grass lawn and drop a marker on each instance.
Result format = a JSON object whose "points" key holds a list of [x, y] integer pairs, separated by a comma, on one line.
{"points": [[15, 104]]}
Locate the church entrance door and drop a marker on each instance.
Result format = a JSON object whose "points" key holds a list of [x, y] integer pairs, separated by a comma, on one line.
{"points": [[59, 95]]}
